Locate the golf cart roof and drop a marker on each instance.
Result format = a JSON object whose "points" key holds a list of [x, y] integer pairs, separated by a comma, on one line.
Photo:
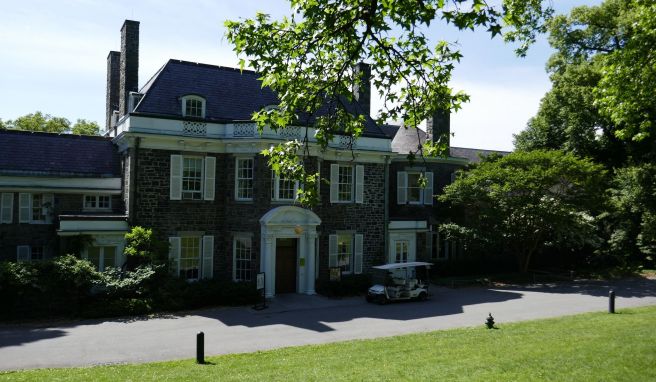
{"points": [[403, 265]]}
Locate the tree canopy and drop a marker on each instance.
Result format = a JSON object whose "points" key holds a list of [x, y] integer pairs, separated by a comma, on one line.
{"points": [[601, 103], [308, 59], [47, 123], [526, 202]]}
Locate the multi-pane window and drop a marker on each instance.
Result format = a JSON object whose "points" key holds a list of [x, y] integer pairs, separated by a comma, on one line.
{"points": [[242, 259], [345, 184], [282, 188], [193, 108], [415, 192], [189, 258], [36, 253], [37, 207], [192, 178], [244, 176], [401, 251], [102, 257], [442, 249], [97, 202], [344, 252]]}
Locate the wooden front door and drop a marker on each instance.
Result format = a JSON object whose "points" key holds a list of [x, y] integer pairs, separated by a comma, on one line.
{"points": [[286, 265]]}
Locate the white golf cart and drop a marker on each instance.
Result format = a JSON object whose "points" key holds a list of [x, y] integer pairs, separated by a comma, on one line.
{"points": [[399, 281]]}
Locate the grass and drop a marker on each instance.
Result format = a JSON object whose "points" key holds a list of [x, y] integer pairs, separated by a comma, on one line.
{"points": [[587, 347]]}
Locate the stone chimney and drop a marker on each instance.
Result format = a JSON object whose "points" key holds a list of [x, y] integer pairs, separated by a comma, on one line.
{"points": [[439, 125], [362, 92], [129, 68], [113, 73]]}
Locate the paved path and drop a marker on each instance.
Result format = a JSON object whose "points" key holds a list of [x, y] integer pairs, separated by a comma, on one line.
{"points": [[298, 320]]}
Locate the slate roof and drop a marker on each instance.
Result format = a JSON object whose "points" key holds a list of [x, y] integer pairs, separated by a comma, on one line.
{"points": [[406, 140], [36, 153], [230, 94]]}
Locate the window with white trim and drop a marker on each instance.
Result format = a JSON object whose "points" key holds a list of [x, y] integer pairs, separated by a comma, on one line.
{"points": [[35, 208], [242, 258], [190, 258], [345, 252], [6, 208], [36, 253], [102, 256], [401, 251], [346, 183], [97, 202], [193, 106], [192, 178], [409, 188], [283, 189], [244, 179]]}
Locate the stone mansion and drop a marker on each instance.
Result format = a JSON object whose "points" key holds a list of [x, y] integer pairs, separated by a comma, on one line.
{"points": [[181, 156]]}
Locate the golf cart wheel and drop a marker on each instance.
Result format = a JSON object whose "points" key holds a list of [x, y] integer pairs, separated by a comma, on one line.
{"points": [[422, 296], [383, 300], [369, 298]]}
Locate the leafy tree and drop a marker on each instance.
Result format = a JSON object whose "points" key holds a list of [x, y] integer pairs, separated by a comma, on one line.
{"points": [[84, 127], [633, 200], [601, 103], [142, 245], [526, 202], [47, 123], [308, 59], [41, 122]]}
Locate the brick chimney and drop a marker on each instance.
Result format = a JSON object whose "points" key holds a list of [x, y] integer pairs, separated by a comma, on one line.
{"points": [[113, 74], [439, 125], [362, 92], [129, 68]]}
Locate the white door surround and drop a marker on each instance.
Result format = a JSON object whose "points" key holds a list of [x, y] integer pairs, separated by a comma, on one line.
{"points": [[289, 222]]}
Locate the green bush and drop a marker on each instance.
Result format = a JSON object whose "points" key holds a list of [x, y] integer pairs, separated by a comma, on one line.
{"points": [[350, 285], [71, 287]]}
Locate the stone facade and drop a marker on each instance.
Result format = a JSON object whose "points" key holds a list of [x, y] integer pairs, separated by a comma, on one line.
{"points": [[224, 217]]}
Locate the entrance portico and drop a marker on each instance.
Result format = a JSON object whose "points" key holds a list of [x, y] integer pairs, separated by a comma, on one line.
{"points": [[289, 222]]}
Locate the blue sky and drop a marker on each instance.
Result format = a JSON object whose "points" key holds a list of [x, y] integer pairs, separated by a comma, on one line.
{"points": [[54, 59]]}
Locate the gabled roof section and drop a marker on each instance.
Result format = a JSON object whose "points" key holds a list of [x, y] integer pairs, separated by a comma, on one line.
{"points": [[47, 154], [406, 140], [230, 94]]}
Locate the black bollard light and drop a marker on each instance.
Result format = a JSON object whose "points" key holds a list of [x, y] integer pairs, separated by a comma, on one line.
{"points": [[200, 348], [611, 302]]}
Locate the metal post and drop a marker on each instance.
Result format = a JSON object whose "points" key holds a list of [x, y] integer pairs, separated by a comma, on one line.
{"points": [[200, 348], [611, 302]]}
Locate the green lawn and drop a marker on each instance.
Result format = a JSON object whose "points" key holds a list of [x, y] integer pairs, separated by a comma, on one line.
{"points": [[588, 347]]}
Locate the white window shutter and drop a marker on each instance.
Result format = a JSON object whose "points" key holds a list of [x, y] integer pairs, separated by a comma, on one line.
{"points": [[210, 176], [174, 255], [23, 253], [334, 180], [332, 251], [401, 187], [25, 208], [357, 254], [7, 208], [208, 257], [48, 207], [176, 177], [428, 191], [359, 184]]}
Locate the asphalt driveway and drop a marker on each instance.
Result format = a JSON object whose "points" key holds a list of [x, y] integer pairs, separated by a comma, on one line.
{"points": [[297, 320]]}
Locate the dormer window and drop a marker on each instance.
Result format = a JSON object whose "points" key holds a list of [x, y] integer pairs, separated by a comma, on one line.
{"points": [[193, 106]]}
